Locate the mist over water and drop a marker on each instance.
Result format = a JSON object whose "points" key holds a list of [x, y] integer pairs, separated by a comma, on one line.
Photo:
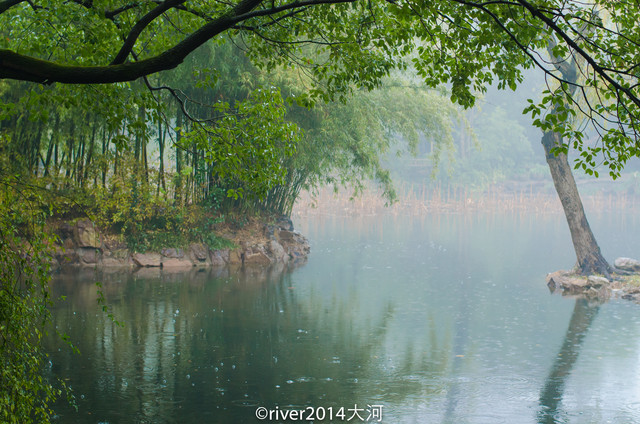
{"points": [[438, 319]]}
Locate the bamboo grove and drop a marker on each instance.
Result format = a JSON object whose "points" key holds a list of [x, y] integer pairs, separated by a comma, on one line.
{"points": [[161, 153]]}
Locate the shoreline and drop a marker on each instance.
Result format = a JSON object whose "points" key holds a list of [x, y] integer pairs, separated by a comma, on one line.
{"points": [[596, 287], [82, 245]]}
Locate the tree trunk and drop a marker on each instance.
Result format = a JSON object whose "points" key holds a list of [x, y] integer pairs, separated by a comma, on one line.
{"points": [[590, 260]]}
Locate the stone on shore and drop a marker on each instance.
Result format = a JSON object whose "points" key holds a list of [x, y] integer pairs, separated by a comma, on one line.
{"points": [[147, 260], [219, 257], [627, 264], [568, 283], [277, 252], [256, 255]]}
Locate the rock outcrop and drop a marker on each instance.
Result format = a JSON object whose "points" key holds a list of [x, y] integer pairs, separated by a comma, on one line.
{"points": [[597, 287], [570, 284], [81, 244]]}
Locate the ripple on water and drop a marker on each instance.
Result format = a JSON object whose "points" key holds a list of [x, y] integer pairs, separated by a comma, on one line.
{"points": [[632, 410], [511, 387], [171, 402], [247, 403], [483, 419]]}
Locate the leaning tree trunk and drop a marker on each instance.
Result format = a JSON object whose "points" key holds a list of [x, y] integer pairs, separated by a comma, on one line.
{"points": [[590, 259]]}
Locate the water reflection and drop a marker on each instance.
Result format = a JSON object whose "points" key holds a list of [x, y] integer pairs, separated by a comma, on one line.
{"points": [[582, 317], [205, 346], [440, 319]]}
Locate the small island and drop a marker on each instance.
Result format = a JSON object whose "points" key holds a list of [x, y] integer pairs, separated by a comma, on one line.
{"points": [[624, 285]]}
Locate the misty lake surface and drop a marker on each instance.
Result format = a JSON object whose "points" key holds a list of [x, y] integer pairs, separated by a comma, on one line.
{"points": [[438, 319]]}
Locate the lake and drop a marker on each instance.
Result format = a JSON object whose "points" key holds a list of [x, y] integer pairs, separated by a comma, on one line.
{"points": [[437, 319]]}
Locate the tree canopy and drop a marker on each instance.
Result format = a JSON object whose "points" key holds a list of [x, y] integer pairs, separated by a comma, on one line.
{"points": [[344, 44]]}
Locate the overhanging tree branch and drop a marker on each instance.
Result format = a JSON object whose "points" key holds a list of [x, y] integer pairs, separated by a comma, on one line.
{"points": [[6, 4], [26, 68], [587, 57], [137, 29]]}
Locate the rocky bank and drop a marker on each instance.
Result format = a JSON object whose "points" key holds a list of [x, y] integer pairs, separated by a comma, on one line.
{"points": [[83, 245], [599, 287]]}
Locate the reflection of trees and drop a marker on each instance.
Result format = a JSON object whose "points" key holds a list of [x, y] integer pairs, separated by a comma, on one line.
{"points": [[551, 395], [198, 347]]}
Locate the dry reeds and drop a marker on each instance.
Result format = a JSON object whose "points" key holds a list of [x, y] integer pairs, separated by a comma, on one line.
{"points": [[423, 200]]}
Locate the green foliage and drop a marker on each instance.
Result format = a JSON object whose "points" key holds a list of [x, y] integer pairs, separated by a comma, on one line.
{"points": [[161, 161], [245, 149], [346, 46], [502, 151], [26, 390], [146, 220]]}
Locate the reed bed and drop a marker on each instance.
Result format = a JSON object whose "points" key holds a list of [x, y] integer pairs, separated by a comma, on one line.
{"points": [[417, 201]]}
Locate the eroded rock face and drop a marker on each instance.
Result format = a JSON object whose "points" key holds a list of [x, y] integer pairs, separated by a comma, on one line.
{"points": [[199, 252], [219, 257], [236, 256], [83, 245], [256, 255], [294, 243], [627, 264], [171, 252], [89, 255], [116, 258], [65, 231], [114, 262], [285, 223], [147, 260], [86, 235], [277, 252]]}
